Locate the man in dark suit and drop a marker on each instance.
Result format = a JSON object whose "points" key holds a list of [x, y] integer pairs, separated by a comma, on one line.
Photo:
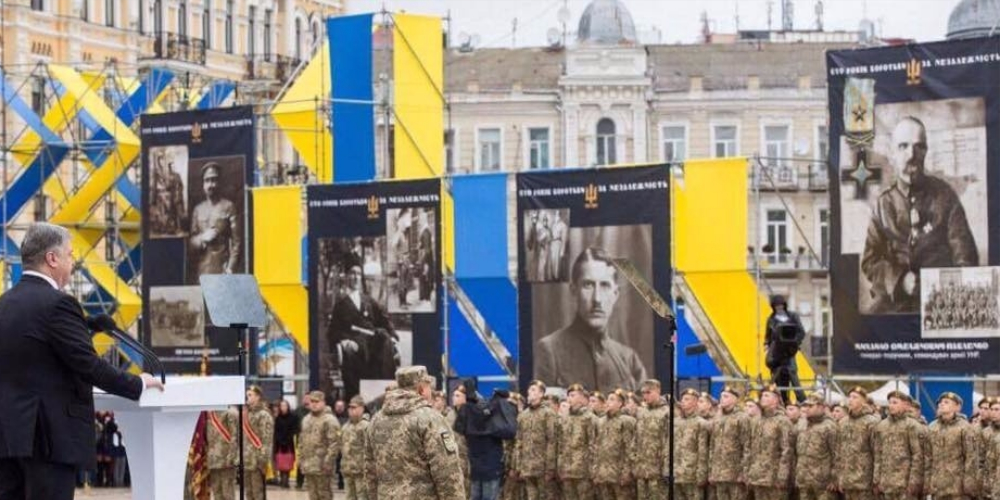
{"points": [[360, 336], [48, 368]]}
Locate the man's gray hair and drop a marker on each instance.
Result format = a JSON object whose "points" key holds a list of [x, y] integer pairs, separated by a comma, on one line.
{"points": [[41, 239]]}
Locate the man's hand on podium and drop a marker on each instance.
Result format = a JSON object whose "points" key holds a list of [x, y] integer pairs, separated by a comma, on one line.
{"points": [[151, 382]]}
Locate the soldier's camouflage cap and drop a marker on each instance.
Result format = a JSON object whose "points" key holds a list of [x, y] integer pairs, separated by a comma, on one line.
{"points": [[652, 382], [812, 400], [598, 395], [317, 396], [986, 402], [690, 392], [900, 395], [576, 388], [732, 390], [539, 383], [859, 390], [952, 396], [773, 389], [357, 401], [408, 377]]}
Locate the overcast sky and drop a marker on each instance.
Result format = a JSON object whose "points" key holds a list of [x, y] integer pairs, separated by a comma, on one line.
{"points": [[677, 20]]}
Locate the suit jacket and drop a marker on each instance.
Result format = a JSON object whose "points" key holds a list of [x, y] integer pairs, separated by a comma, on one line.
{"points": [[48, 368]]}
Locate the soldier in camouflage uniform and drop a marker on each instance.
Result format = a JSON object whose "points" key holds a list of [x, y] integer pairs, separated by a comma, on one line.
{"points": [[990, 473], [707, 406], [815, 450], [612, 471], [258, 441], [535, 447], [691, 460], [221, 454], [411, 452], [353, 439], [986, 432], [952, 464], [770, 457], [856, 434], [576, 436], [458, 400], [319, 444], [729, 440], [899, 454], [651, 440]]}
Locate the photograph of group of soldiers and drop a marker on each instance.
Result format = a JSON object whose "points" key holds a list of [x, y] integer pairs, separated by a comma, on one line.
{"points": [[199, 201], [545, 244], [359, 339], [412, 266], [961, 302], [594, 315], [929, 206]]}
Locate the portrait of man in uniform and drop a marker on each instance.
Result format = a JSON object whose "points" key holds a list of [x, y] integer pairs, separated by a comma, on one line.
{"points": [[412, 259], [167, 204], [585, 351], [917, 221], [545, 244], [215, 245]]}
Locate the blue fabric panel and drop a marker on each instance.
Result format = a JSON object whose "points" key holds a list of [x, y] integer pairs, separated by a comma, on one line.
{"points": [[305, 260], [467, 356], [13, 101], [480, 225], [218, 92], [928, 393], [351, 78], [31, 180], [496, 300], [698, 366], [129, 268]]}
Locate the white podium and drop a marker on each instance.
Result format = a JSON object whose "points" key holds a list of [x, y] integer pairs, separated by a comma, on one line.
{"points": [[157, 429]]}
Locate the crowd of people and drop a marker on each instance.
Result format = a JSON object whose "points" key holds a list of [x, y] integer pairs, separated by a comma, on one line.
{"points": [[588, 445], [962, 307]]}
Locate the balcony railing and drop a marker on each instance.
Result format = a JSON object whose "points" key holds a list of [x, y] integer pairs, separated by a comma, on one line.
{"points": [[775, 175], [788, 261], [180, 48], [285, 67]]}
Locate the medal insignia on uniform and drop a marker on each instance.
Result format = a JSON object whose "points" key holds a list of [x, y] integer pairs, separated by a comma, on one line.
{"points": [[859, 132]]}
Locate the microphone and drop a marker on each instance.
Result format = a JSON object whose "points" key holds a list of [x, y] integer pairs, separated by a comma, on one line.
{"points": [[104, 323]]}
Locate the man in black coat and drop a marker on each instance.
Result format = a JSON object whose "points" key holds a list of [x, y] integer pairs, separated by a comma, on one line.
{"points": [[48, 368], [782, 340]]}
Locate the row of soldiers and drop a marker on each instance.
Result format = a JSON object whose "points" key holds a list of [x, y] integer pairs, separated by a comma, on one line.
{"points": [[751, 450]]}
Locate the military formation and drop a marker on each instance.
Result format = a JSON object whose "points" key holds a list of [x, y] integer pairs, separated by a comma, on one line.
{"points": [[616, 446]]}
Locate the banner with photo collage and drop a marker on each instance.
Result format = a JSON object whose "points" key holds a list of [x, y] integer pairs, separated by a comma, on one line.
{"points": [[196, 166], [374, 273], [581, 320], [915, 268]]}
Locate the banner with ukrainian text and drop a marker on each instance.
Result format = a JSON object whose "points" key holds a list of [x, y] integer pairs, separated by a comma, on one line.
{"points": [[580, 320], [196, 166], [915, 193], [374, 294]]}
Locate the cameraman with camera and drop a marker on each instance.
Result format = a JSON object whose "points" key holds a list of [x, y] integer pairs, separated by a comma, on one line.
{"points": [[782, 339]]}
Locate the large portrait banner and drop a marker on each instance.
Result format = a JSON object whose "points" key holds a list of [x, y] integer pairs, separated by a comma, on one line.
{"points": [[914, 198], [374, 274], [196, 166], [581, 321]]}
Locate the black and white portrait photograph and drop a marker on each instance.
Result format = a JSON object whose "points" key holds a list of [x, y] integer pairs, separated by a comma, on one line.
{"points": [[960, 302], [216, 243], [167, 188], [595, 316], [177, 316], [916, 199], [412, 266], [358, 339], [546, 238]]}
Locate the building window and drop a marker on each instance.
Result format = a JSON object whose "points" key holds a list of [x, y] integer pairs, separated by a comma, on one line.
{"points": [[85, 10], [38, 95], [776, 144], [229, 26], [674, 143], [182, 19], [822, 143], [141, 10], [206, 24], [251, 31], [824, 236], [724, 141], [298, 38], [316, 33], [489, 149], [38, 5], [538, 148], [158, 16], [449, 151], [825, 317], [267, 34], [606, 154], [109, 13], [776, 249]]}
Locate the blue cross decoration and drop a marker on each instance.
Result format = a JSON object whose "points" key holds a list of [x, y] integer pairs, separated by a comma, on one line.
{"points": [[861, 175]]}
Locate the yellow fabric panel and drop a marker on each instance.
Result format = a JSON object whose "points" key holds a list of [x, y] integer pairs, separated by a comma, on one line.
{"points": [[129, 303], [710, 231], [418, 66], [290, 303], [3, 277], [57, 118], [297, 113], [94, 105], [716, 191], [448, 227], [97, 185], [277, 226]]}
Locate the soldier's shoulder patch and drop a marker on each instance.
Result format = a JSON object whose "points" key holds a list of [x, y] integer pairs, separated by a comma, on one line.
{"points": [[448, 439]]}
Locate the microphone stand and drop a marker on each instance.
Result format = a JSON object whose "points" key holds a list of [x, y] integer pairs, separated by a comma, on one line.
{"points": [[671, 346], [242, 342], [147, 354]]}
